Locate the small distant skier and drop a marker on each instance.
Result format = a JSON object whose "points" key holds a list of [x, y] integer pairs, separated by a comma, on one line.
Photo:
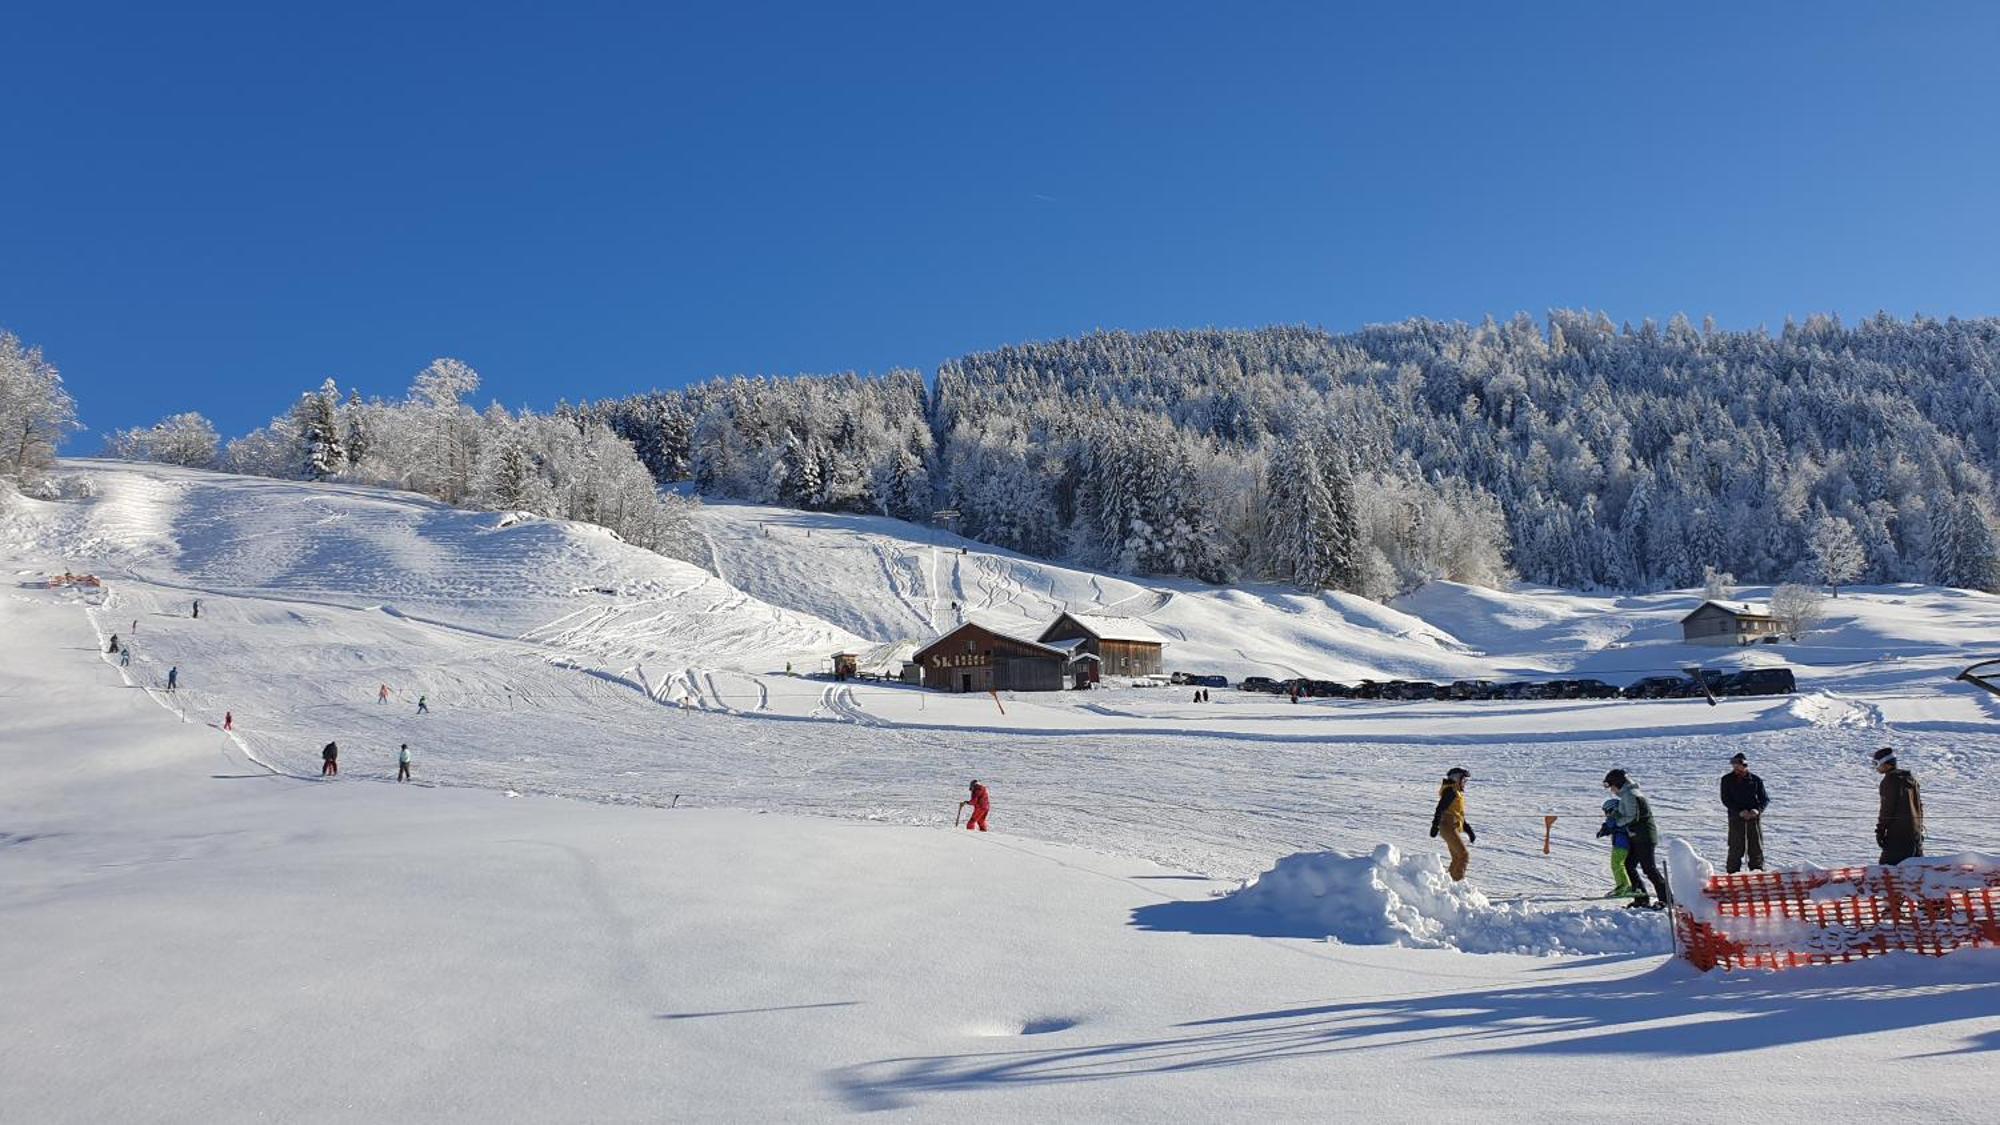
{"points": [[329, 760], [1449, 820], [382, 694], [174, 678], [1743, 795], [403, 763], [423, 705], [135, 626], [1635, 816], [125, 657], [228, 721], [1621, 845], [981, 805], [1899, 825], [113, 650], [197, 609]]}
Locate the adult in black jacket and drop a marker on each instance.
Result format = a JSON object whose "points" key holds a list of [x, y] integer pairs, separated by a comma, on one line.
{"points": [[1743, 795], [1899, 826]]}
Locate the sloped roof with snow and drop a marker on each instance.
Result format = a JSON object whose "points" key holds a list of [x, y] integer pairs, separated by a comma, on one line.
{"points": [[1002, 633], [1734, 609], [1116, 628]]}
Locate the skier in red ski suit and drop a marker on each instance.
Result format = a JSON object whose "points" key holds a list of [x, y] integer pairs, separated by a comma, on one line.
{"points": [[981, 804]]}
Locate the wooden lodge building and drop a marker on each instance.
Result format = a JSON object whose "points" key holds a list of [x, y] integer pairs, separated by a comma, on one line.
{"points": [[974, 657], [1122, 646], [1076, 650], [1729, 623]]}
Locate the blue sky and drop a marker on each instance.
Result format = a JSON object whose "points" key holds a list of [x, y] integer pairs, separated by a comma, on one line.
{"points": [[215, 207]]}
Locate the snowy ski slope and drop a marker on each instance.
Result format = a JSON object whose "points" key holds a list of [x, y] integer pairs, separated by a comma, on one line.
{"points": [[558, 660]]}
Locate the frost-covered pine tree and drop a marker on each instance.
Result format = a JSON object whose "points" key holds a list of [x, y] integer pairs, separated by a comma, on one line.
{"points": [[317, 421], [446, 428]]}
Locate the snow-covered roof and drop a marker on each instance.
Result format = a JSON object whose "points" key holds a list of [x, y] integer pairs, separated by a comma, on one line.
{"points": [[1015, 637], [1735, 609], [1117, 628], [1069, 646]]}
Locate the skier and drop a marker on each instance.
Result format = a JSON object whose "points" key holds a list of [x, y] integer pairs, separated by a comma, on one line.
{"points": [[1899, 825], [1449, 820], [981, 805], [113, 650], [125, 657], [1621, 845], [197, 609], [1635, 816], [1743, 795], [329, 760], [174, 678], [423, 706], [135, 626], [403, 763], [228, 721], [382, 694]]}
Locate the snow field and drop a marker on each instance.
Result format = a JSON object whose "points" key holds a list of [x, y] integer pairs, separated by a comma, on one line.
{"points": [[189, 936]]}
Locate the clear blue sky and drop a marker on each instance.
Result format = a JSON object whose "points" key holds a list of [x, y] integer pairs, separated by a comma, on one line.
{"points": [[213, 207]]}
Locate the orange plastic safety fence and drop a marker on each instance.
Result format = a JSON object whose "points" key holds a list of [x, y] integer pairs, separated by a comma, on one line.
{"points": [[1783, 919]]}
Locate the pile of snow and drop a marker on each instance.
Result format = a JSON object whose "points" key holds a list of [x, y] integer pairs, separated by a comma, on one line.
{"points": [[1386, 898]]}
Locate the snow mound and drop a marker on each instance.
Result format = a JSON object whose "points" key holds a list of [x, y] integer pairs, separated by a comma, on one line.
{"points": [[1825, 709], [1387, 898]]}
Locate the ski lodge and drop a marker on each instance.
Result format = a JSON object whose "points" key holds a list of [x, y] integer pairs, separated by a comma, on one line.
{"points": [[1076, 650], [1729, 623], [974, 657], [1121, 646]]}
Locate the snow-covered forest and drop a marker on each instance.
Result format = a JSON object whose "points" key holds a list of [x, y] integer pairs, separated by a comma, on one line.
{"points": [[562, 465], [1577, 452]]}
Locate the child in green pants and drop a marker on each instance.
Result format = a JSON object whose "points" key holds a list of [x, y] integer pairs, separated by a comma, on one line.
{"points": [[1619, 842]]}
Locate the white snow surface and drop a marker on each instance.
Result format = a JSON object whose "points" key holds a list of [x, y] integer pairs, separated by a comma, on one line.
{"points": [[194, 927], [1387, 898]]}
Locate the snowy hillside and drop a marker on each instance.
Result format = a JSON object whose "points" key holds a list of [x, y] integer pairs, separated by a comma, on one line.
{"points": [[555, 659]]}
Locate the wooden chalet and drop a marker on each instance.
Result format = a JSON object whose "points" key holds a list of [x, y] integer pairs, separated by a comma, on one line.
{"points": [[1729, 623], [974, 657], [1120, 646]]}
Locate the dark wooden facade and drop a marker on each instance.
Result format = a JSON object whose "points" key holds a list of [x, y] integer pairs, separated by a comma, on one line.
{"points": [[1130, 655], [975, 658], [1719, 623]]}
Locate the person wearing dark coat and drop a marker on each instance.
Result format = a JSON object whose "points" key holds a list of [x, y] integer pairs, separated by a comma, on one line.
{"points": [[1899, 825], [329, 760], [1743, 795]]}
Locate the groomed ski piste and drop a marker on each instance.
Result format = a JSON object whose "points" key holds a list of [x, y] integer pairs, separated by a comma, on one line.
{"points": [[196, 927]]}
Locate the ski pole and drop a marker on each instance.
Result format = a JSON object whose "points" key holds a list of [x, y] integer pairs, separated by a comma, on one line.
{"points": [[955, 816]]}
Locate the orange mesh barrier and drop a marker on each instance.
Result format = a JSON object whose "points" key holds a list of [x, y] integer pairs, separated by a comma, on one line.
{"points": [[1783, 919]]}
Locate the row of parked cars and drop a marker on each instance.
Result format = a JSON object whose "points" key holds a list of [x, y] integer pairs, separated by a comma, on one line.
{"points": [[1755, 681]]}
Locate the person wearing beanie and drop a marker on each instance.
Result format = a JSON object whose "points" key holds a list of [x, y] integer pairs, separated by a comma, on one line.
{"points": [[1635, 816], [1743, 795], [1621, 846], [1899, 825], [1449, 821]]}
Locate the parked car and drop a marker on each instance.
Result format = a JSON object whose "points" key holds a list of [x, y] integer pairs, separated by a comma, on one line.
{"points": [[1562, 689], [1264, 684], [1512, 689], [1420, 689], [1760, 681], [1595, 689], [1327, 689], [1209, 681], [1469, 689], [1660, 687]]}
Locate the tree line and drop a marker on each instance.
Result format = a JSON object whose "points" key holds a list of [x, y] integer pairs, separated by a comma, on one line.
{"points": [[1574, 452]]}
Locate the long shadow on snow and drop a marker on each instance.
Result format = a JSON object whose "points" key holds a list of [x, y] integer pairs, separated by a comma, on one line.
{"points": [[1607, 1018]]}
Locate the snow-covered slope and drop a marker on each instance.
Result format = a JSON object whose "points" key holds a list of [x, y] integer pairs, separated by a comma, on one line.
{"points": [[671, 686], [188, 937]]}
